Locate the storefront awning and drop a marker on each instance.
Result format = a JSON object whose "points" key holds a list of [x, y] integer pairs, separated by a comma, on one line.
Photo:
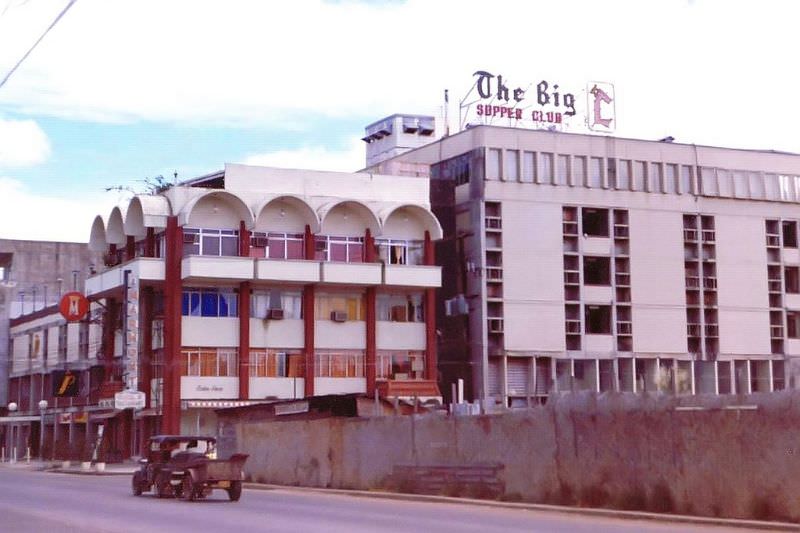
{"points": [[18, 419], [93, 417], [217, 404]]}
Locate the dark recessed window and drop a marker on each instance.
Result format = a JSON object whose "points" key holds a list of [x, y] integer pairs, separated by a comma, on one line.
{"points": [[790, 234], [595, 222], [597, 271], [598, 319]]}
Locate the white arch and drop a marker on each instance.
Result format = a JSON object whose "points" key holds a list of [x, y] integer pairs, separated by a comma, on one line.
{"points": [[269, 212], [422, 216], [336, 217], [146, 211], [97, 236], [115, 230], [216, 216]]}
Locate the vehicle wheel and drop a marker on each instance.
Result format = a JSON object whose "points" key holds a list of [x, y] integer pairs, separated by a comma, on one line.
{"points": [[235, 491], [163, 487], [136, 484], [188, 489]]}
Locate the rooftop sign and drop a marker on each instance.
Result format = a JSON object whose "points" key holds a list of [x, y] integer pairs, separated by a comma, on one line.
{"points": [[547, 104]]}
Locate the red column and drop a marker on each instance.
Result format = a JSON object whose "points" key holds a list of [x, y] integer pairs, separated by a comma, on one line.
{"points": [[371, 326], [430, 316], [150, 243], [130, 247], [244, 240], [308, 318], [171, 391], [244, 340]]}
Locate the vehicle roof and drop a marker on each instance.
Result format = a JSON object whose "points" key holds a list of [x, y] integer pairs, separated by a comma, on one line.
{"points": [[180, 438]]}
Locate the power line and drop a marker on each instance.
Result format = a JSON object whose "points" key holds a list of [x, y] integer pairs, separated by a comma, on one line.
{"points": [[63, 12]]}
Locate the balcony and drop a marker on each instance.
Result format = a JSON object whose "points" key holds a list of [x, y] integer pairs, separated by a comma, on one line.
{"points": [[412, 276], [215, 267], [143, 268], [351, 273], [297, 271]]}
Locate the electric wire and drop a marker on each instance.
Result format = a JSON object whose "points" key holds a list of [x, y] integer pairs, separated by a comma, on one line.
{"points": [[30, 50]]}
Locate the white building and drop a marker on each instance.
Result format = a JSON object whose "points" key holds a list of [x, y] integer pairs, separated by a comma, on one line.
{"points": [[588, 262]]}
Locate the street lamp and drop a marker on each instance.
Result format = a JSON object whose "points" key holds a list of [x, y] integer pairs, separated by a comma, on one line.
{"points": [[12, 452], [42, 408]]}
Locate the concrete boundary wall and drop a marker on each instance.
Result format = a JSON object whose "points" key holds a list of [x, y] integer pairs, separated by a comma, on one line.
{"points": [[736, 457]]}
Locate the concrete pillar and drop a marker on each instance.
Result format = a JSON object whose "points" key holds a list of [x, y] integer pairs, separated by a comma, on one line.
{"points": [[173, 288], [244, 340], [370, 297], [431, 363]]}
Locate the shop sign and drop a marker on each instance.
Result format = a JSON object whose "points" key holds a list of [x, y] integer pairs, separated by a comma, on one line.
{"points": [[546, 104], [131, 359], [73, 306], [129, 399], [292, 408], [66, 383]]}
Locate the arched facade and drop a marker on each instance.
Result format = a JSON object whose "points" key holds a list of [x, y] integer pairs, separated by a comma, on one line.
{"points": [[286, 213], [115, 231], [348, 218], [409, 222], [97, 236], [217, 209], [146, 211]]}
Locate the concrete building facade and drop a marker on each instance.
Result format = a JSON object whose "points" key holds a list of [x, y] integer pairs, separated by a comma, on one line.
{"points": [[247, 285], [583, 262]]}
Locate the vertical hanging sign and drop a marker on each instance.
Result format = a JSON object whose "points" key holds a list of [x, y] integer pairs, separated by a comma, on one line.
{"points": [[131, 332]]}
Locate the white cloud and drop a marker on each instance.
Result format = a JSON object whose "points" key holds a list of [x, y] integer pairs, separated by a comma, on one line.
{"points": [[29, 215], [705, 71], [314, 158], [22, 143]]}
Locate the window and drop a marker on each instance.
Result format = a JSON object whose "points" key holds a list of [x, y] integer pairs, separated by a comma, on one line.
{"points": [[291, 302], [400, 365], [639, 175], [343, 249], [708, 181], [771, 188], [400, 307], [786, 187], [327, 303], [277, 245], [276, 363], [598, 319], [579, 170], [671, 179], [686, 179], [791, 279], [595, 173], [339, 364], [596, 271], [789, 234], [595, 222], [756, 185], [528, 167], [400, 252], [562, 170], [62, 342], [215, 242], [724, 182], [623, 175], [158, 334], [209, 362], [210, 302], [655, 179], [83, 340], [493, 164], [740, 184], [511, 165], [544, 173], [793, 324]]}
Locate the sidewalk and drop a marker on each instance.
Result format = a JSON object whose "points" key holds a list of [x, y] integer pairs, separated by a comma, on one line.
{"points": [[113, 469]]}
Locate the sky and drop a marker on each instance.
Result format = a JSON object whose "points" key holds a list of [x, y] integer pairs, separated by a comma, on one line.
{"points": [[121, 91]]}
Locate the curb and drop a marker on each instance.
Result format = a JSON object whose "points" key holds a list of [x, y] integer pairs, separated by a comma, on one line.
{"points": [[585, 511]]}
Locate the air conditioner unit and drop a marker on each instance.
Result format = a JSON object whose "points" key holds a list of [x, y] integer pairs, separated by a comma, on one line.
{"points": [[320, 246], [259, 242], [274, 314], [190, 238], [339, 316]]}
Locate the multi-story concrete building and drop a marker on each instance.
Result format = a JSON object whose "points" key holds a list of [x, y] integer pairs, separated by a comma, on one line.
{"points": [[243, 286], [582, 262]]}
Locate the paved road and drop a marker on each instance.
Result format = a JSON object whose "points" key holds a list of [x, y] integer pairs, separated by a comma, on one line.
{"points": [[36, 501]]}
